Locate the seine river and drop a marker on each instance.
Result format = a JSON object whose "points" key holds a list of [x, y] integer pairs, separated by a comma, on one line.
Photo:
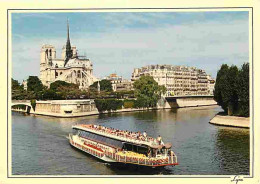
{"points": [[40, 147]]}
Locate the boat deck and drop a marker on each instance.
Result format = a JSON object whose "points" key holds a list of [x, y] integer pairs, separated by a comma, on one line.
{"points": [[118, 135], [118, 155]]}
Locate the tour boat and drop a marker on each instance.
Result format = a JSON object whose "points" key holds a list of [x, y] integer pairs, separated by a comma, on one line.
{"points": [[118, 146]]}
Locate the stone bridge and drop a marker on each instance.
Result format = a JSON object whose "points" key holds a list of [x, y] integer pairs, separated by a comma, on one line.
{"points": [[189, 101], [27, 103]]}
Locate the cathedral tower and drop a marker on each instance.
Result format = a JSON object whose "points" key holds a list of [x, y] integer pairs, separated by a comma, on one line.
{"points": [[48, 53]]}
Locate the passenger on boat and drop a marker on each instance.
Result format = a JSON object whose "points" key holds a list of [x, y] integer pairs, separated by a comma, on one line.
{"points": [[159, 139], [145, 134], [171, 153], [149, 154], [122, 133]]}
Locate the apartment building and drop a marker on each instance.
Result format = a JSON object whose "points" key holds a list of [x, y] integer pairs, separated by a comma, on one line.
{"points": [[178, 80], [118, 83]]}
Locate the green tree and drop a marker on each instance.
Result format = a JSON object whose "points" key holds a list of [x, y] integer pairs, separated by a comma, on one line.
{"points": [[34, 84], [147, 91], [140, 103], [18, 93], [15, 85], [129, 103], [62, 84], [33, 104], [114, 104], [229, 91], [219, 86], [63, 90], [124, 94], [105, 85], [50, 94], [108, 104], [101, 104], [232, 89], [243, 90]]}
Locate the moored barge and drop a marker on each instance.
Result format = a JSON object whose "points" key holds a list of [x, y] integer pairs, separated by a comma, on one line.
{"points": [[118, 146]]}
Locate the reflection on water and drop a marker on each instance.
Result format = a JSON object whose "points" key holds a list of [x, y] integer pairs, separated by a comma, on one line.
{"points": [[232, 147], [40, 147]]}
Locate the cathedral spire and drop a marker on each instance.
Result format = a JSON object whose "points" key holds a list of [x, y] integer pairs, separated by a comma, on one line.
{"points": [[68, 34], [68, 46]]}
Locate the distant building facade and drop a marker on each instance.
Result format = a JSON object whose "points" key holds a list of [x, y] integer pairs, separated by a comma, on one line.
{"points": [[178, 80], [118, 83], [211, 85], [70, 67], [24, 83]]}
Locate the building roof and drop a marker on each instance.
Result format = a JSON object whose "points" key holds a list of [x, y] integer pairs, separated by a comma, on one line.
{"points": [[76, 62]]}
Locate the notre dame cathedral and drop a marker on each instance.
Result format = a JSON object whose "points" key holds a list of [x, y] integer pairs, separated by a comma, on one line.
{"points": [[70, 67]]}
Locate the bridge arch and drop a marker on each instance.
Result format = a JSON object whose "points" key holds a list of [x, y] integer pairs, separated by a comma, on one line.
{"points": [[26, 103]]}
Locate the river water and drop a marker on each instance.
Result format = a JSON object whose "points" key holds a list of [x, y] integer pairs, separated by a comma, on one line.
{"points": [[40, 147]]}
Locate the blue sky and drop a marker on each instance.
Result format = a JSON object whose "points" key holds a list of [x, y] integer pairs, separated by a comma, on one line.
{"points": [[119, 42]]}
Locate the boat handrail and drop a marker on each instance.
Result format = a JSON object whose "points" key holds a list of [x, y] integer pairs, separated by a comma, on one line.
{"points": [[169, 160]]}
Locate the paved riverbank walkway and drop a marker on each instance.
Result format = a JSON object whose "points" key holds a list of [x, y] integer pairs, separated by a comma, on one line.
{"points": [[233, 121]]}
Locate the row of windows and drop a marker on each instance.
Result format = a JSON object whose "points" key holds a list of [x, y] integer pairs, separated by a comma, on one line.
{"points": [[102, 139]]}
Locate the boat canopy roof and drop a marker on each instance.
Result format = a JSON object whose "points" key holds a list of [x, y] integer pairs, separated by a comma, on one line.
{"points": [[99, 130], [167, 146]]}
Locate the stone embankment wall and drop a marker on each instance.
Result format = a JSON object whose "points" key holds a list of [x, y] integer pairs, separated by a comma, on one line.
{"points": [[193, 102], [189, 102], [74, 108], [66, 108], [77, 108], [233, 121]]}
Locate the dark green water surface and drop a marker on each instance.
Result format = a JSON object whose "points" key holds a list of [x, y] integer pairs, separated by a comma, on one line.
{"points": [[40, 147]]}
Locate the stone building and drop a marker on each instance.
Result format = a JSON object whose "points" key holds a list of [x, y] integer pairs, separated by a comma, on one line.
{"points": [[24, 83], [211, 85], [70, 68], [178, 80], [118, 83]]}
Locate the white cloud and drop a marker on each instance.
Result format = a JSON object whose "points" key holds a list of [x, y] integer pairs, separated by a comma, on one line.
{"points": [[205, 46], [132, 18]]}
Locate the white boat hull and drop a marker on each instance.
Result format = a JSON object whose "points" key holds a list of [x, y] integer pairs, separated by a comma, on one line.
{"points": [[111, 154], [77, 143]]}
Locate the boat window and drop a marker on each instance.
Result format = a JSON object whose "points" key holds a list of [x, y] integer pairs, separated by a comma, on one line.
{"points": [[109, 141], [74, 131], [80, 133], [142, 150], [95, 137], [91, 136], [128, 147], [103, 139], [100, 138], [135, 148], [87, 134]]}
